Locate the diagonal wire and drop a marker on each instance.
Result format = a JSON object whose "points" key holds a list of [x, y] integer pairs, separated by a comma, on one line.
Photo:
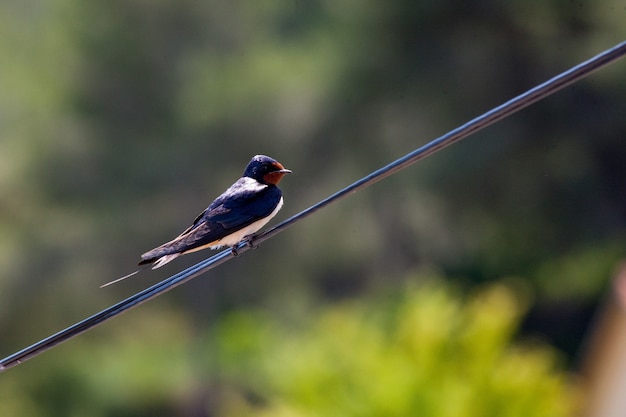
{"points": [[510, 107]]}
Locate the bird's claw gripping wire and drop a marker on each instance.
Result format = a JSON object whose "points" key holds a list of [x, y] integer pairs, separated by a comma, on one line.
{"points": [[249, 240]]}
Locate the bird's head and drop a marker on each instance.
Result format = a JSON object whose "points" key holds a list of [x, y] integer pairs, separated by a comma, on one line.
{"points": [[265, 170]]}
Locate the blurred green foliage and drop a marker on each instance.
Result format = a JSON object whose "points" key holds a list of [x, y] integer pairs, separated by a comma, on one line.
{"points": [[121, 120], [427, 350], [431, 353]]}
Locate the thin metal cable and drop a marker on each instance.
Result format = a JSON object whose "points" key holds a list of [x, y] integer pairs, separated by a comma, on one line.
{"points": [[510, 107]]}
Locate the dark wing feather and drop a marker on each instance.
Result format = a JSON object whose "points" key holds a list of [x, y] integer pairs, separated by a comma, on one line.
{"points": [[236, 208]]}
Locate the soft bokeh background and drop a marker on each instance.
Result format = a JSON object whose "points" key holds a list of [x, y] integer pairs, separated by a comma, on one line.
{"points": [[463, 286]]}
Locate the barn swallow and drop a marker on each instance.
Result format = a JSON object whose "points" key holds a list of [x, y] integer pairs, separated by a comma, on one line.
{"points": [[234, 216]]}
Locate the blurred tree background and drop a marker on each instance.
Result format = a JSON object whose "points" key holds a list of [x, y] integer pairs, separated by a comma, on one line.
{"points": [[121, 120]]}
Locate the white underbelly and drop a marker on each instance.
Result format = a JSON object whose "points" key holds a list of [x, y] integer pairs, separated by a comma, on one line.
{"points": [[236, 237]]}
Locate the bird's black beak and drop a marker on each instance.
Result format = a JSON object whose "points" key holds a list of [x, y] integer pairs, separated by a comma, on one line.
{"points": [[284, 171]]}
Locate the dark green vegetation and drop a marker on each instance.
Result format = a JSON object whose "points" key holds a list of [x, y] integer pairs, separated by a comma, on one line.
{"points": [[121, 120]]}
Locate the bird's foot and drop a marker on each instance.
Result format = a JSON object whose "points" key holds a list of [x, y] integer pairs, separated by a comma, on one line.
{"points": [[250, 241]]}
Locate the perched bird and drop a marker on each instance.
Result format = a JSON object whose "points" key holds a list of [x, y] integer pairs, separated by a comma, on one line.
{"points": [[241, 210]]}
